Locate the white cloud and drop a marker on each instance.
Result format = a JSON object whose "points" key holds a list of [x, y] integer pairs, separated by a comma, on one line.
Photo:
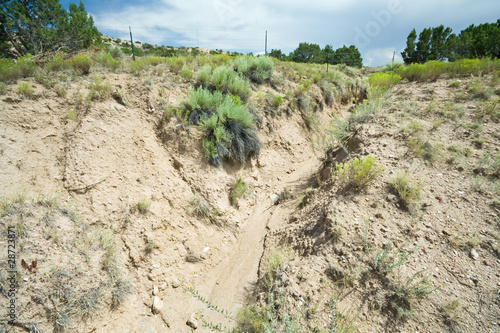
{"points": [[373, 26]]}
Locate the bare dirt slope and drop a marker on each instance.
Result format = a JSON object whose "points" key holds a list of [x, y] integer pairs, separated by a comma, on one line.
{"points": [[107, 198]]}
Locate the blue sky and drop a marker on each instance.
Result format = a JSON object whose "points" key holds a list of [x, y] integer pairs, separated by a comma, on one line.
{"points": [[377, 28]]}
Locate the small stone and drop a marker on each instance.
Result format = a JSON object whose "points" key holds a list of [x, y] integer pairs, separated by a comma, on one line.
{"points": [[176, 284], [163, 286], [155, 291], [391, 197], [192, 321], [474, 254], [157, 305]]}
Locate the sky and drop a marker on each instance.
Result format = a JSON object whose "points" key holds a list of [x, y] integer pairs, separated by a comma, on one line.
{"points": [[378, 28]]}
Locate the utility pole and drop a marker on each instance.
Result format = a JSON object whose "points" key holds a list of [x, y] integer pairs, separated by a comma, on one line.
{"points": [[266, 43], [132, 43]]}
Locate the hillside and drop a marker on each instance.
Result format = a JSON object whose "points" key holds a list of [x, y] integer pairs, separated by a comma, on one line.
{"points": [[112, 190]]}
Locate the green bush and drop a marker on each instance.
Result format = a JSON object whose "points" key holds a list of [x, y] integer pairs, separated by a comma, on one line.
{"points": [[384, 80], [226, 80], [175, 64], [258, 69], [230, 134], [358, 173], [11, 71], [186, 74], [339, 129], [138, 66], [154, 61], [204, 74], [277, 101], [200, 103], [3, 88], [82, 63], [56, 64], [107, 60], [238, 189], [60, 91], [408, 193], [25, 89], [99, 89]]}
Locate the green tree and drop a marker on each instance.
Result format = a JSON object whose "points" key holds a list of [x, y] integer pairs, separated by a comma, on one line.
{"points": [[409, 54], [349, 56], [77, 30], [277, 54], [34, 26], [306, 52]]}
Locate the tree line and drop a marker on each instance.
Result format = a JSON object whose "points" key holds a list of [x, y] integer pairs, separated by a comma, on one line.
{"points": [[312, 53], [440, 43], [36, 26]]}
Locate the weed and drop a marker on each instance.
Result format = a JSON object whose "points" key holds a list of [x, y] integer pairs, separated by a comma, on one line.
{"points": [[384, 262], [3, 88], [149, 246], [311, 119], [340, 322], [277, 101], [186, 74], [340, 131], [450, 312], [121, 289], [61, 91], [238, 189], [109, 61], [25, 89], [409, 193], [424, 149], [358, 173], [365, 111], [415, 287], [258, 69], [71, 115], [274, 263], [142, 206], [82, 63], [56, 64], [99, 89], [118, 96], [384, 81], [204, 74]]}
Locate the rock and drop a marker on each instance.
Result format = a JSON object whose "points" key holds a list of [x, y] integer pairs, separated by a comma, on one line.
{"points": [[155, 291], [192, 321], [391, 197], [274, 197], [176, 284], [474, 255], [163, 286], [157, 305]]}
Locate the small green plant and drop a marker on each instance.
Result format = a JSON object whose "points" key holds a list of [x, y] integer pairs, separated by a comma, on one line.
{"points": [[109, 61], [277, 101], [274, 263], [424, 149], [56, 64], [82, 63], [3, 88], [150, 246], [383, 80], [61, 91], [384, 261], [358, 173], [415, 287], [99, 89], [340, 131], [121, 289], [238, 189], [71, 115], [186, 74], [409, 193], [25, 89], [142, 206]]}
